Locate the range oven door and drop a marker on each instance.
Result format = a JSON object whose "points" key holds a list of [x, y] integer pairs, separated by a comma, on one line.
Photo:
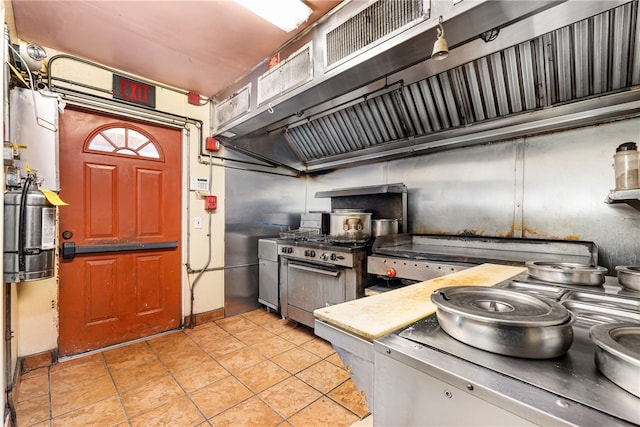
{"points": [[306, 287]]}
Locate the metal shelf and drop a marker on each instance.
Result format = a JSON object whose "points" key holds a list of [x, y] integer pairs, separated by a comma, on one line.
{"points": [[362, 191], [630, 197]]}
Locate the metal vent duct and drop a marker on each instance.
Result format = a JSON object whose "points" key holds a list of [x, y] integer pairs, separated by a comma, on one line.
{"points": [[370, 25], [286, 76], [576, 62], [235, 106]]}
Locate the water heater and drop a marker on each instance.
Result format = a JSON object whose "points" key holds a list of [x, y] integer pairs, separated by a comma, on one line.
{"points": [[29, 235]]}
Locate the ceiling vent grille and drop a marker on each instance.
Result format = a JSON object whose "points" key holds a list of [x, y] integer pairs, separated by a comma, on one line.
{"points": [[234, 107], [371, 25], [296, 70]]}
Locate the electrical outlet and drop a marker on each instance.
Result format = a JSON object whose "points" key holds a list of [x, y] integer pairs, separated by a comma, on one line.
{"points": [[197, 222]]}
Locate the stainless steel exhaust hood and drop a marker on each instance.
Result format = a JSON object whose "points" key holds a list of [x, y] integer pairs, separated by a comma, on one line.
{"points": [[349, 95]]}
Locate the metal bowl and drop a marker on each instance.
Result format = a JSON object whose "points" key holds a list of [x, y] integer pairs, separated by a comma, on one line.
{"points": [[568, 273], [505, 322], [618, 353], [629, 277]]}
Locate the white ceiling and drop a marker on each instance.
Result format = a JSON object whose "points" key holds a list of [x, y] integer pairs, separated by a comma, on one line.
{"points": [[201, 45]]}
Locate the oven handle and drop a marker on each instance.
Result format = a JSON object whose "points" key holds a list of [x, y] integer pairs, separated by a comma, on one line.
{"points": [[334, 273]]}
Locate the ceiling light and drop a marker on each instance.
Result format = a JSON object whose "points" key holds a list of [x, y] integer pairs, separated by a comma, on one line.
{"points": [[284, 14], [440, 49]]}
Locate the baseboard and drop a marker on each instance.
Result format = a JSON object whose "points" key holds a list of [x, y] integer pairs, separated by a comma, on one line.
{"points": [[207, 316], [39, 360]]}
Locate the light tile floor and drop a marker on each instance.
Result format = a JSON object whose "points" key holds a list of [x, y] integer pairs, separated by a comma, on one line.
{"points": [[253, 369]]}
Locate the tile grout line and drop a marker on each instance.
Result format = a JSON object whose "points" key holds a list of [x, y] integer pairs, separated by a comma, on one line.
{"points": [[294, 375], [187, 394], [259, 322]]}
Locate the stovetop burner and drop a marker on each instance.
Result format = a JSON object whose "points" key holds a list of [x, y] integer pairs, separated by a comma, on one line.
{"points": [[324, 242]]}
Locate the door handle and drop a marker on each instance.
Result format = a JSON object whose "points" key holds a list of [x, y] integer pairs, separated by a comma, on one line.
{"points": [[334, 273], [69, 250]]}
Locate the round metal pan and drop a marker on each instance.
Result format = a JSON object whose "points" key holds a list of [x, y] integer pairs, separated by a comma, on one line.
{"points": [[567, 273], [629, 277], [505, 322], [618, 353]]}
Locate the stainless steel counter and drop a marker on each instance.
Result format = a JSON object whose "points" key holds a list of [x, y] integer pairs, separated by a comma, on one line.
{"points": [[567, 390]]}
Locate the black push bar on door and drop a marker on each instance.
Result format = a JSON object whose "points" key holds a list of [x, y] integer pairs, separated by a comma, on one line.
{"points": [[69, 249]]}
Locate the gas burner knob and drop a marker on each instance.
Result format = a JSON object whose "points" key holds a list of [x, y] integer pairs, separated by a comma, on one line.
{"points": [[324, 257], [333, 257], [289, 250], [286, 250], [312, 254], [391, 272]]}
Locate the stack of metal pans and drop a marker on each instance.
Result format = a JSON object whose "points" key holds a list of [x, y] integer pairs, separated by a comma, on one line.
{"points": [[629, 277], [567, 273], [618, 353]]}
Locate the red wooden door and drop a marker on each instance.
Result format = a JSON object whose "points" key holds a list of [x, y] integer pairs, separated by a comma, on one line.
{"points": [[122, 182]]}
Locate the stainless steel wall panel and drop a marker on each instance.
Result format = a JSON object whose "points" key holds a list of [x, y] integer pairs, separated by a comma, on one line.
{"points": [[253, 201], [567, 175]]}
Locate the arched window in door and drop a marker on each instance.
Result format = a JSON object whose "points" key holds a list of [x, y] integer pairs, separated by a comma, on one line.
{"points": [[124, 141]]}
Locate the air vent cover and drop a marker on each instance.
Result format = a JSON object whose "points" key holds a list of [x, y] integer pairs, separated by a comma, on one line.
{"points": [[296, 70], [234, 107], [371, 25]]}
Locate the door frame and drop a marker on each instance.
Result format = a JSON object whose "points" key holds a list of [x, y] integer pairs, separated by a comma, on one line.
{"points": [[169, 120]]}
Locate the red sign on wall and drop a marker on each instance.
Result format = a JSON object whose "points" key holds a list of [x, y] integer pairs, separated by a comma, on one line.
{"points": [[134, 91]]}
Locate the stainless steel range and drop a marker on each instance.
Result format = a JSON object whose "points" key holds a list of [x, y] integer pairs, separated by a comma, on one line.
{"points": [[330, 266], [315, 272], [461, 384]]}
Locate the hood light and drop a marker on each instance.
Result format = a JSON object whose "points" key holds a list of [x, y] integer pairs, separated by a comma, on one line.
{"points": [[440, 49]]}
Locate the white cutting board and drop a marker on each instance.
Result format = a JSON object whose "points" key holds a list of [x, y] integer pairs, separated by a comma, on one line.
{"points": [[378, 315]]}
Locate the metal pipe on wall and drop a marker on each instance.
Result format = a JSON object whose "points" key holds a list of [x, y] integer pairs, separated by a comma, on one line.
{"points": [[8, 334], [192, 288]]}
